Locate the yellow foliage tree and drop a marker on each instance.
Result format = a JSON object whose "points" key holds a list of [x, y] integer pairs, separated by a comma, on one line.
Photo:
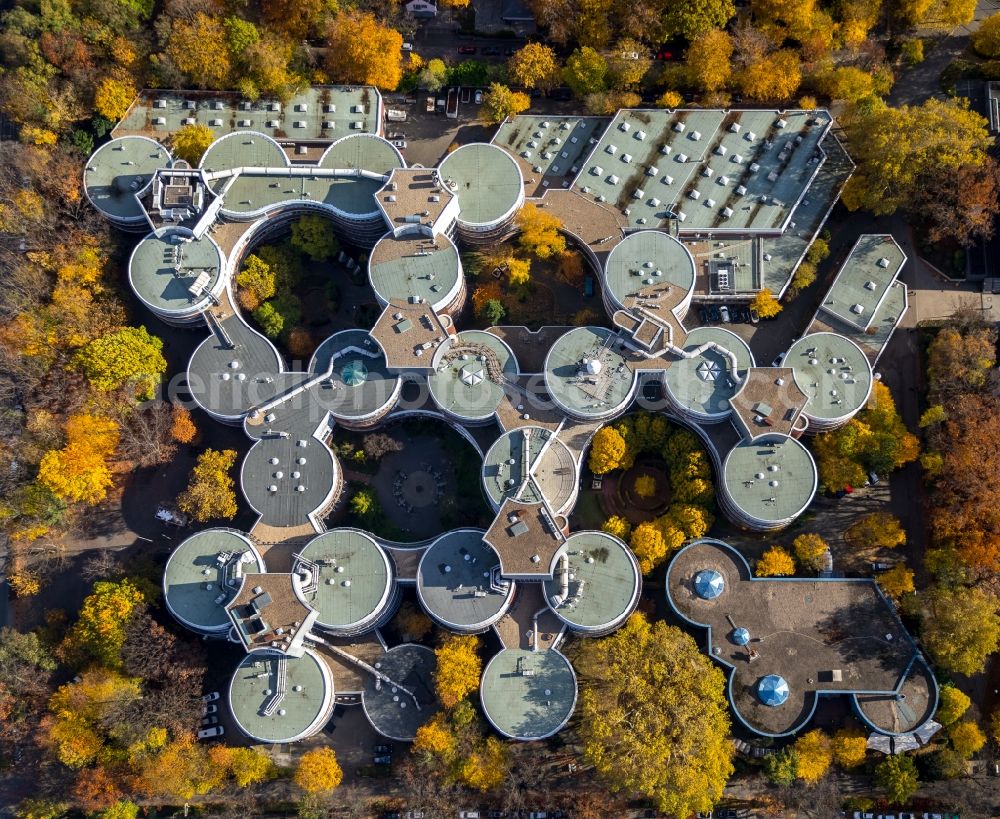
{"points": [[645, 486], [518, 271], [669, 99], [649, 546], [458, 669], [952, 703], [986, 40], [113, 96], [809, 550], [766, 305], [966, 738], [485, 768], [436, 738], [99, 632], [79, 471], [127, 357], [198, 47], [814, 756], [500, 102], [608, 451], [534, 66], [708, 60], [540, 232], [361, 50], [775, 562], [617, 526], [191, 142], [849, 747], [318, 771], [897, 582], [179, 770], [182, 427], [211, 491], [774, 76], [878, 530]]}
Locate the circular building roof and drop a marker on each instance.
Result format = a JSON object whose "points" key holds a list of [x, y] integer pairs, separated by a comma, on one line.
{"points": [[366, 152], [119, 170], [770, 479], [467, 372], [528, 694], [601, 587], [772, 690], [702, 384], [359, 385], [651, 262], [415, 266], [260, 709], [243, 149], [709, 584], [741, 636], [533, 450], [275, 468], [352, 577], [487, 182], [201, 570], [833, 372], [457, 584], [391, 710], [577, 391], [165, 266]]}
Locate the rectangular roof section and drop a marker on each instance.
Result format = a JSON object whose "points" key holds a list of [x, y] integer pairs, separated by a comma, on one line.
{"points": [[864, 279]]}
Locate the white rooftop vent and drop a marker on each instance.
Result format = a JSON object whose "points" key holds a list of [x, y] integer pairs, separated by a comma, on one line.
{"points": [[597, 170], [640, 135], [526, 154], [613, 180], [767, 257], [300, 123], [883, 262], [727, 212], [652, 170], [667, 180], [682, 158], [188, 121], [710, 203], [357, 109], [723, 180], [754, 167], [273, 123], [160, 104], [246, 105], [217, 105], [772, 176], [330, 108], [694, 194], [707, 172], [159, 120], [666, 149], [694, 135], [679, 127], [555, 141], [869, 285], [626, 158], [215, 123], [781, 123], [681, 216], [749, 136], [357, 125], [639, 193], [735, 127], [301, 107], [654, 202], [737, 158], [624, 126], [740, 190], [329, 124], [720, 150], [243, 123], [857, 309], [611, 149]]}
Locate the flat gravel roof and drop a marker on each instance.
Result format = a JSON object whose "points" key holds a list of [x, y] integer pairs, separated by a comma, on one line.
{"points": [[354, 577], [243, 149], [864, 279], [486, 180], [603, 585], [166, 264], [528, 694], [255, 682], [367, 152], [118, 170], [651, 261], [513, 454], [702, 384], [414, 265], [466, 379], [360, 385], [752, 466], [391, 711], [194, 577], [583, 393], [833, 371]]}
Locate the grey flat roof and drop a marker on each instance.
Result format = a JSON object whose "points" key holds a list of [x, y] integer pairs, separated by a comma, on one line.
{"points": [[243, 149], [486, 180], [702, 384], [249, 693], [604, 582], [118, 170], [233, 112], [578, 391], [253, 191], [390, 710], [864, 280], [356, 354], [748, 474], [653, 262], [194, 577], [833, 372], [354, 577], [530, 705], [154, 274], [508, 461], [455, 581], [653, 169], [288, 505], [468, 377], [367, 152], [414, 266]]}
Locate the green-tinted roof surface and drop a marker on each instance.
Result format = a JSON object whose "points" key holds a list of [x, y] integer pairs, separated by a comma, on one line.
{"points": [[530, 705], [118, 170], [603, 582], [649, 260], [194, 578], [702, 384], [252, 192], [576, 389], [750, 468], [486, 180], [354, 578], [864, 279], [832, 371], [250, 693], [154, 274], [554, 475], [552, 146], [243, 149], [455, 581], [391, 711], [466, 379], [414, 265], [366, 152]]}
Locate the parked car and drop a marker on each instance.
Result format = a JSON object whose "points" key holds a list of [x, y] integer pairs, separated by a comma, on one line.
{"points": [[414, 814], [873, 479], [713, 314], [754, 317], [407, 46], [778, 360], [399, 143], [382, 760], [396, 135], [211, 697], [383, 749], [479, 97], [208, 733], [468, 814], [209, 709], [491, 51], [467, 49], [210, 721], [725, 314]]}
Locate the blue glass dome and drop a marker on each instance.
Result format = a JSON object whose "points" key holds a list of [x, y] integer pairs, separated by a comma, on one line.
{"points": [[708, 584], [355, 373], [741, 636], [772, 690]]}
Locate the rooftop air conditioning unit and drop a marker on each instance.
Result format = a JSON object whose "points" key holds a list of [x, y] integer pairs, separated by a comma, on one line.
{"points": [[357, 125], [357, 109], [301, 107], [639, 193], [274, 106], [668, 180], [869, 285], [597, 170], [330, 108], [749, 136], [624, 126], [857, 309], [329, 124], [735, 127], [780, 123], [159, 120], [679, 127], [883, 262], [215, 123], [720, 150], [244, 123], [217, 105], [695, 135], [640, 135], [188, 121], [160, 104], [246, 105], [709, 203], [652, 170], [614, 180], [626, 158], [694, 194], [727, 212], [273, 123], [611, 149], [190, 104], [300, 123]]}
